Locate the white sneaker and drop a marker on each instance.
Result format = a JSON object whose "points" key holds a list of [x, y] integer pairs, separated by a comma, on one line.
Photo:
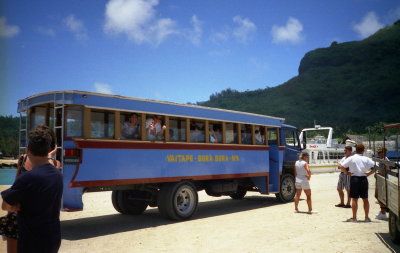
{"points": [[381, 216]]}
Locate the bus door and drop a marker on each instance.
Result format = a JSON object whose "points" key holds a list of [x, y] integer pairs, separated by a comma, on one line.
{"points": [[275, 159]]}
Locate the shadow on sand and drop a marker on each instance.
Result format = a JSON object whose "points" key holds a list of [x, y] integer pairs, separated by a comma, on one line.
{"points": [[385, 238], [85, 228]]}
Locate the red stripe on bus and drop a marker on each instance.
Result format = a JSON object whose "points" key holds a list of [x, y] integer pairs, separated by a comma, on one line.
{"points": [[148, 145], [98, 183]]}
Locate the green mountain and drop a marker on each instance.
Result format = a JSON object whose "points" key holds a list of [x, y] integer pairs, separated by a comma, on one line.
{"points": [[348, 86]]}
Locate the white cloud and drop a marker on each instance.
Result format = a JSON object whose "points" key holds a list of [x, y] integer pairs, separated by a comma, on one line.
{"points": [[289, 33], [76, 26], [244, 30], [137, 20], [220, 36], [102, 88], [369, 25], [46, 31], [6, 30], [195, 34]]}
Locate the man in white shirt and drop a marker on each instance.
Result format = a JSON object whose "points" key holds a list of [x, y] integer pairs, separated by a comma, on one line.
{"points": [[360, 167]]}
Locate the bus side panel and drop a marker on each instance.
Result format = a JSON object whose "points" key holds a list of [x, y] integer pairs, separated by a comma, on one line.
{"points": [[120, 164], [276, 163], [72, 197]]}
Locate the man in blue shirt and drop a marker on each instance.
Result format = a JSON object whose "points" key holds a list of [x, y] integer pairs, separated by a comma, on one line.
{"points": [[36, 197]]}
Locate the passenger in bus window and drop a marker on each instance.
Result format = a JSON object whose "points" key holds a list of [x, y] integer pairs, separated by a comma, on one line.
{"points": [[196, 132], [259, 137], [131, 128], [155, 128], [217, 133], [246, 135], [214, 138], [172, 136]]}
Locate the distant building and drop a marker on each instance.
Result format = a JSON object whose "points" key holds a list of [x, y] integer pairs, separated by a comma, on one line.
{"points": [[359, 139]]}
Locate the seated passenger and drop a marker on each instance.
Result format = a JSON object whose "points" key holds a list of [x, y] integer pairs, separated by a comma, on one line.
{"points": [[172, 136], [155, 132], [131, 128], [215, 134], [246, 136], [260, 139], [196, 133]]}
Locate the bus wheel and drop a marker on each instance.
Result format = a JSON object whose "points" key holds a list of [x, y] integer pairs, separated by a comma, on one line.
{"points": [[114, 199], [178, 201], [287, 188], [394, 227], [239, 194], [132, 201]]}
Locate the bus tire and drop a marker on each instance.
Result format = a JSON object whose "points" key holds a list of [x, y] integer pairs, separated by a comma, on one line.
{"points": [[132, 202], [287, 189], [114, 200], [239, 194], [394, 230], [178, 201]]}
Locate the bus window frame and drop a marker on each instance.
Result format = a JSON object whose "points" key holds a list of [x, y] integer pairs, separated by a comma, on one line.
{"points": [[107, 114]]}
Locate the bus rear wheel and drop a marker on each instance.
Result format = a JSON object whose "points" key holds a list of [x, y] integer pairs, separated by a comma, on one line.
{"points": [[178, 201], [287, 189], [394, 227], [239, 194], [129, 201], [114, 199]]}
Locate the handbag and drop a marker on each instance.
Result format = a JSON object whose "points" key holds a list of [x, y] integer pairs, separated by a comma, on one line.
{"points": [[8, 226]]}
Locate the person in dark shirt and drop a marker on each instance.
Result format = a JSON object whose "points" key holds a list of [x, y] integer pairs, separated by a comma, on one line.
{"points": [[36, 197]]}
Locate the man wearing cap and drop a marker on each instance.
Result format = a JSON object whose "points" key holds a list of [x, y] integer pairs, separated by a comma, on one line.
{"points": [[381, 151], [360, 167], [344, 181]]}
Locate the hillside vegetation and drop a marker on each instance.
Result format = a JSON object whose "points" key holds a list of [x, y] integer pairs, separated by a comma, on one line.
{"points": [[348, 86], [9, 135]]}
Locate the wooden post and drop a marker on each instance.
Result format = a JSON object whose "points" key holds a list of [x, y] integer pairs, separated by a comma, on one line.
{"points": [[253, 134], [239, 133], [166, 134], [207, 131], [117, 125], [187, 130], [86, 123], [223, 132], [143, 126]]}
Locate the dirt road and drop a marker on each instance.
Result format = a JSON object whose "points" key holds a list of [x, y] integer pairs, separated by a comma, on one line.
{"points": [[255, 224]]}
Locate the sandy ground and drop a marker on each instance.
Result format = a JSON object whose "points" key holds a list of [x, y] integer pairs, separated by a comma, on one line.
{"points": [[257, 223]]}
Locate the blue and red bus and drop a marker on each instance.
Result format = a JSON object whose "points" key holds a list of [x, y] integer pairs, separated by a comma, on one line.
{"points": [[160, 154]]}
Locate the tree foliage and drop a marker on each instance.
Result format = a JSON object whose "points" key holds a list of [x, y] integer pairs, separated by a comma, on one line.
{"points": [[9, 135]]}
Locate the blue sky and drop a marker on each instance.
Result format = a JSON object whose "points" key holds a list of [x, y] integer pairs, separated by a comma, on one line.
{"points": [[176, 50]]}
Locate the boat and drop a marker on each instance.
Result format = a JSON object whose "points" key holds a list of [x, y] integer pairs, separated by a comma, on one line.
{"points": [[325, 152]]}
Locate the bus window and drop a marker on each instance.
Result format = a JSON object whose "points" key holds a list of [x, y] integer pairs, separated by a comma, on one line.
{"points": [[215, 132], [272, 136], [73, 122], [197, 131], [260, 135], [177, 129], [102, 124], [231, 133], [291, 138], [246, 134], [130, 126], [155, 128], [38, 116]]}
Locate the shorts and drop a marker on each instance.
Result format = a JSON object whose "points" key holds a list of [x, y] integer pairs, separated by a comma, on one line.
{"points": [[344, 182], [302, 184], [358, 187]]}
